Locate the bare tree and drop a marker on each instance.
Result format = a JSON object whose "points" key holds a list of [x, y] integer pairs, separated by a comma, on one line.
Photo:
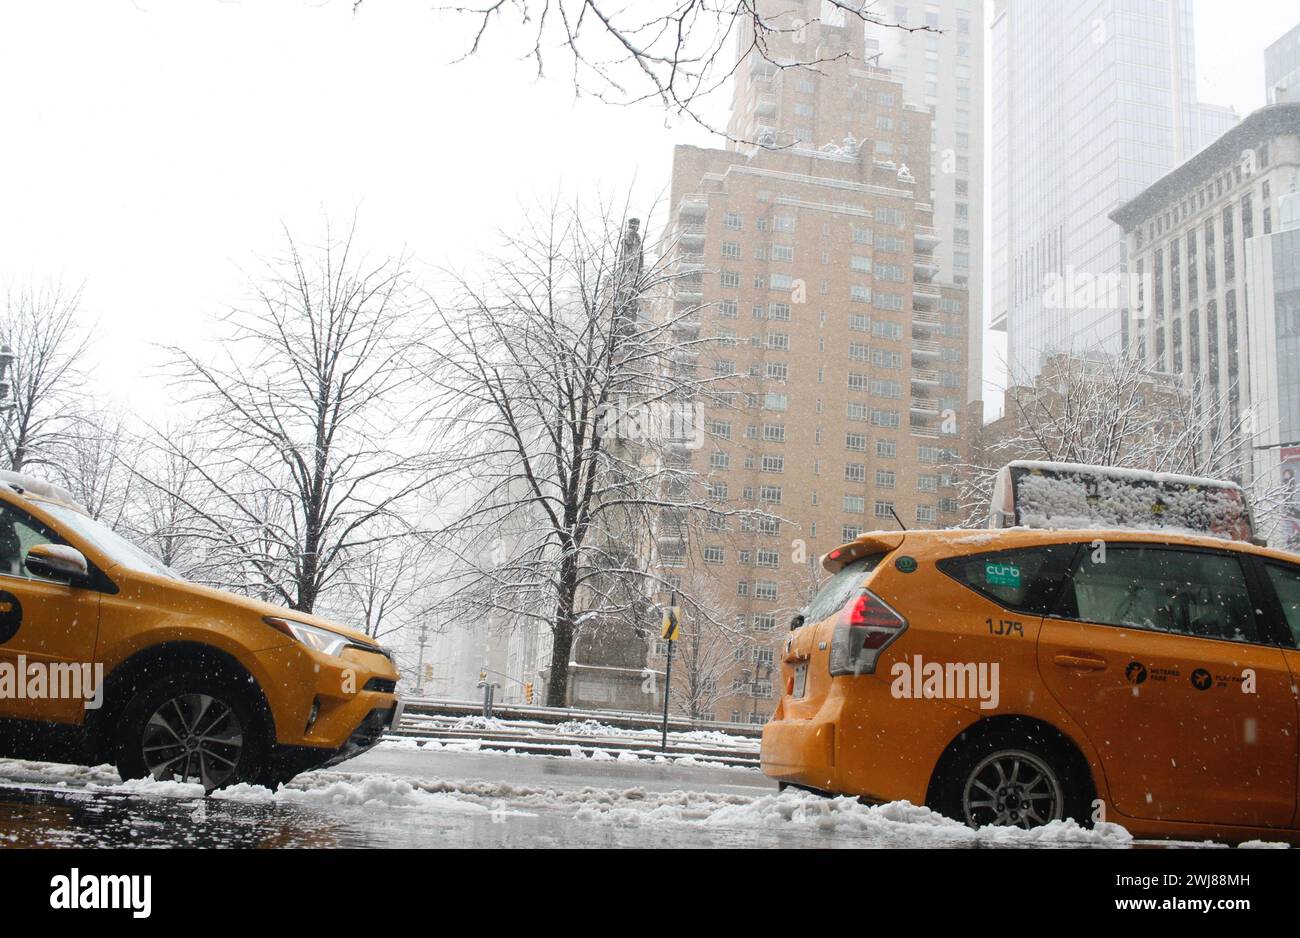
{"points": [[704, 655], [1112, 410], [675, 52], [568, 427], [41, 326], [167, 513], [384, 586], [97, 465], [310, 454]]}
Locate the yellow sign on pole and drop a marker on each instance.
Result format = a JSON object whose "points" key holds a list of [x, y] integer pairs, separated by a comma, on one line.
{"points": [[672, 619]]}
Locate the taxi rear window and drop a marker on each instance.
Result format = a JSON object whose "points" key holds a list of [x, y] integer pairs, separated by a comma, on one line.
{"points": [[1024, 580], [836, 591]]}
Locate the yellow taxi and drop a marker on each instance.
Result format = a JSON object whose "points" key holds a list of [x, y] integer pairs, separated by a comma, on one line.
{"points": [[106, 655], [1024, 675]]}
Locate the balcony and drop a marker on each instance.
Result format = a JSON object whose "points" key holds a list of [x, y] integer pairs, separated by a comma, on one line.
{"points": [[921, 405], [924, 270], [930, 379], [691, 236], [766, 105], [927, 297], [930, 433], [922, 348], [693, 207], [925, 239], [688, 327], [927, 322]]}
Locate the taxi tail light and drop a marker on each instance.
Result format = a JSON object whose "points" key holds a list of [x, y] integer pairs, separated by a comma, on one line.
{"points": [[867, 626]]}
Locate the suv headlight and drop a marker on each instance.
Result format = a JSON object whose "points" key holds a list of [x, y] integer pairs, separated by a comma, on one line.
{"points": [[313, 636]]}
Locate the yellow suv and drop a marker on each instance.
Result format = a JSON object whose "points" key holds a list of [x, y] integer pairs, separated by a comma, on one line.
{"points": [[1016, 677], [106, 655]]}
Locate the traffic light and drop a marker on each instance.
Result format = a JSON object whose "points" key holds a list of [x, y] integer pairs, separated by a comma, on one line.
{"points": [[528, 692]]}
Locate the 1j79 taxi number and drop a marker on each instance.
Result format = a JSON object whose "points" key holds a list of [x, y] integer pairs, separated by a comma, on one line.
{"points": [[1006, 627]]}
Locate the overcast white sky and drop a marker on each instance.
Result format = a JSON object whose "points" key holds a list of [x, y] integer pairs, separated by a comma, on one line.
{"points": [[150, 148]]}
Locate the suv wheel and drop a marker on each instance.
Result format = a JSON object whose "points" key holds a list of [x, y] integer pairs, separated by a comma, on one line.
{"points": [[192, 728], [1002, 781]]}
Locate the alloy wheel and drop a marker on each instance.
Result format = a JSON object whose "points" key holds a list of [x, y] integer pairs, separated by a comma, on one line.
{"points": [[1012, 788], [193, 737]]}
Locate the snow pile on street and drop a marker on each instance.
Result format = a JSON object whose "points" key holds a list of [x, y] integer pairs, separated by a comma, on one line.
{"points": [[370, 791], [898, 821], [479, 723], [56, 773], [596, 728], [147, 787]]}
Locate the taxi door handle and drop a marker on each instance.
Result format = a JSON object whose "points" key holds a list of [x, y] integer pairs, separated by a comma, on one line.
{"points": [[1081, 662]]}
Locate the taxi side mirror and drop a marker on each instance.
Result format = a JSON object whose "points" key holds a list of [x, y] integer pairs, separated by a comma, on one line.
{"points": [[54, 561], [797, 621]]}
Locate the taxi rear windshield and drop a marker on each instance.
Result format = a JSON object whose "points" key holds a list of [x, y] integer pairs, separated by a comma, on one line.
{"points": [[837, 591]]}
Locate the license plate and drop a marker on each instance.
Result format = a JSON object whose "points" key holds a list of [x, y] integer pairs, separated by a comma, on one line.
{"points": [[800, 680]]}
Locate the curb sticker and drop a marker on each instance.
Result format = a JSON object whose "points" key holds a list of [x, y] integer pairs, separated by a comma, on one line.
{"points": [[1002, 574]]}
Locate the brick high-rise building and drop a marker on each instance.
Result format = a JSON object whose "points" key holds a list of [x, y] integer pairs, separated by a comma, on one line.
{"points": [[812, 246]]}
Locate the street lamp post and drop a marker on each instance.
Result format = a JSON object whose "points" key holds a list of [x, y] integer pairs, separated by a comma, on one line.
{"points": [[6, 387], [419, 668]]}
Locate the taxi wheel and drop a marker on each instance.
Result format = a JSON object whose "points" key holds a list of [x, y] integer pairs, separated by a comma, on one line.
{"points": [[192, 728], [1003, 780]]}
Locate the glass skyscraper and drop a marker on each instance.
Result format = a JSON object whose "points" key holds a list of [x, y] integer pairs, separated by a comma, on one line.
{"points": [[1282, 68], [1093, 100]]}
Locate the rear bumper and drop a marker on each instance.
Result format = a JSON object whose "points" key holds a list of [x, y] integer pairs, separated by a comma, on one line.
{"points": [[799, 751], [861, 741]]}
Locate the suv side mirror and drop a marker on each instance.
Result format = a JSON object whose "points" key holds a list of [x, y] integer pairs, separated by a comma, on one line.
{"points": [[53, 561], [797, 621]]}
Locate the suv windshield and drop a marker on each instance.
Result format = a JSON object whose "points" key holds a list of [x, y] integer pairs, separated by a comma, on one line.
{"points": [[109, 541]]}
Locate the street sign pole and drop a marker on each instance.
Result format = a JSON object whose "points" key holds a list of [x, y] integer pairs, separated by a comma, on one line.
{"points": [[670, 633], [668, 683]]}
